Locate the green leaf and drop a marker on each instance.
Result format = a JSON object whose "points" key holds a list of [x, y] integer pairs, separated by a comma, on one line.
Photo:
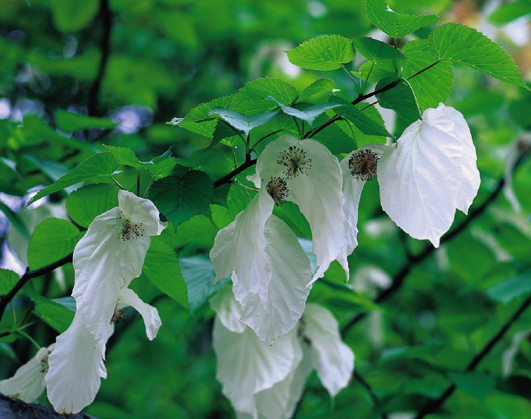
{"points": [[374, 72], [86, 203], [360, 137], [226, 134], [54, 314], [73, 122], [395, 24], [362, 121], [162, 168], [243, 122], [199, 113], [462, 44], [8, 279], [508, 12], [15, 221], [162, 268], [324, 53], [477, 384], [431, 86], [379, 52], [124, 156], [198, 273], [251, 99], [507, 291], [335, 139], [72, 15], [291, 215], [316, 88], [98, 165], [400, 99], [179, 198], [308, 114], [52, 240]]}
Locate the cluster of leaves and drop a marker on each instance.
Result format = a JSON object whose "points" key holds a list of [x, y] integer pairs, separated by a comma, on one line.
{"points": [[199, 195]]}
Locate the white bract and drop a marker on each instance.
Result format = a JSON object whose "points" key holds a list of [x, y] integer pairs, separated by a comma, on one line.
{"points": [[270, 271], [431, 172], [28, 382], [264, 381], [106, 260], [357, 168]]}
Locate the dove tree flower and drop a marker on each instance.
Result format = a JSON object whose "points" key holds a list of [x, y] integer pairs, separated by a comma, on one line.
{"points": [[28, 382], [106, 260], [264, 381], [271, 273], [431, 172], [357, 167]]}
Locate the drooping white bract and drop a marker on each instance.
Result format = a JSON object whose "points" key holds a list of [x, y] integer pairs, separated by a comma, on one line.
{"points": [[431, 172], [357, 168], [264, 381], [265, 259], [76, 365], [313, 180], [109, 257], [106, 260], [28, 382]]}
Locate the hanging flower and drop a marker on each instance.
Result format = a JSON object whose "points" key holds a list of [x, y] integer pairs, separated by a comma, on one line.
{"points": [[262, 380], [431, 172], [28, 382], [357, 168], [270, 272], [106, 260]]}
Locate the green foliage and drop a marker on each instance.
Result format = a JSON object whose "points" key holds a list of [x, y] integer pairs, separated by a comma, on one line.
{"points": [[98, 166], [181, 197], [162, 268], [242, 122], [73, 122], [465, 45], [402, 99], [324, 53], [395, 24], [86, 203], [7, 280], [52, 240]]}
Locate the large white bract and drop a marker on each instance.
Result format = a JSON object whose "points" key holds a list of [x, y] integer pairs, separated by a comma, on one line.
{"points": [[28, 382], [106, 260], [431, 172], [264, 381]]}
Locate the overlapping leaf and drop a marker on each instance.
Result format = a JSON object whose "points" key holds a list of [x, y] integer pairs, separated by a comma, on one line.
{"points": [[324, 53]]}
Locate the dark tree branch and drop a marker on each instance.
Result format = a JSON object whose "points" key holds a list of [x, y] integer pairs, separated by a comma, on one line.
{"points": [[434, 405], [105, 16], [5, 299], [227, 178], [414, 260]]}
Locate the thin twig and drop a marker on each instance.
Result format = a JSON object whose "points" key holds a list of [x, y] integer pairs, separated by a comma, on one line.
{"points": [[434, 405], [228, 178], [5, 299], [105, 14]]}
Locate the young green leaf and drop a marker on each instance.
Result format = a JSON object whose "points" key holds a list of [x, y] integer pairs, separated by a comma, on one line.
{"points": [[508, 12], [379, 52], [324, 53], [86, 203], [198, 273], [321, 86], [243, 122], [506, 291], [162, 268], [374, 72], [179, 198], [8, 279], [395, 24], [309, 114], [124, 156], [401, 99], [193, 121], [73, 122], [251, 99], [459, 43], [361, 120], [56, 315], [52, 240], [433, 85], [98, 165]]}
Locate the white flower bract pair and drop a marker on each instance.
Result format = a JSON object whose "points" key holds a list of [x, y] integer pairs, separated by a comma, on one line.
{"points": [[429, 174], [106, 260], [264, 381], [271, 274]]}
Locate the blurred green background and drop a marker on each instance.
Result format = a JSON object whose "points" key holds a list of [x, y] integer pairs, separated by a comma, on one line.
{"points": [[143, 62]]}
